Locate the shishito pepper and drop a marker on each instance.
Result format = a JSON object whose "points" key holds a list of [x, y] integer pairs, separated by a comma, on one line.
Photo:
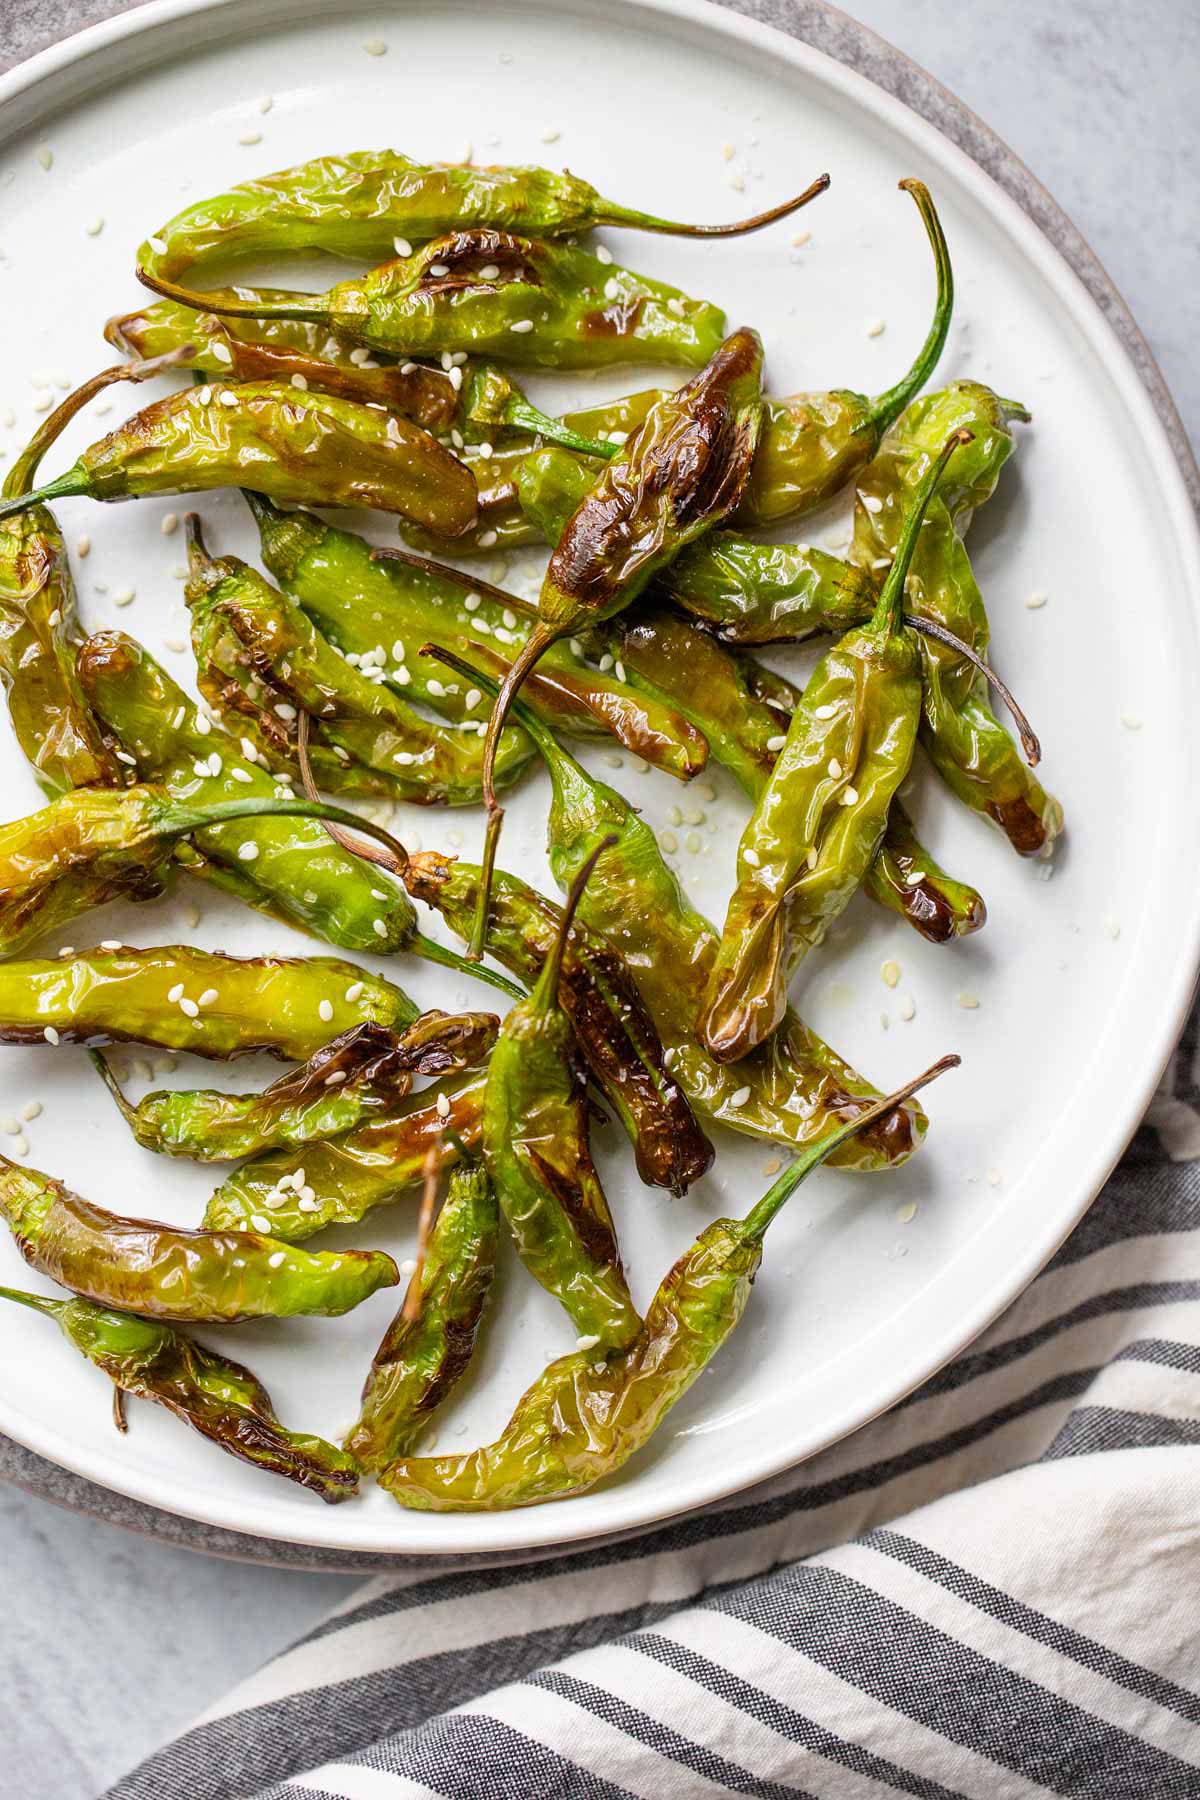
{"points": [[374, 727], [682, 471], [100, 844], [286, 1006], [587, 1414], [285, 350], [492, 293], [794, 1084], [427, 1347], [535, 1148], [295, 1192], [298, 447], [358, 1075], [220, 1399], [165, 1272], [821, 816], [386, 610], [357, 204]]}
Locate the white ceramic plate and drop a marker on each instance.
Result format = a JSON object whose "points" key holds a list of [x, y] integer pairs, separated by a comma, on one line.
{"points": [[1074, 1022]]}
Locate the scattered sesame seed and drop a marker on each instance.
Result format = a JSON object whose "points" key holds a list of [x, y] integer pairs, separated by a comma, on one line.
{"points": [[589, 1342], [250, 138], [227, 397], [739, 1096], [772, 1165], [994, 1178], [203, 727], [1112, 926], [811, 858], [175, 994], [914, 878], [204, 394], [603, 253], [968, 1002], [43, 403], [375, 47], [727, 152], [737, 183], [175, 645], [169, 523], [50, 1035], [473, 602], [408, 1266], [889, 973], [209, 997], [354, 991], [873, 504], [1036, 600], [336, 1078], [876, 328], [777, 742], [800, 239], [906, 1213], [551, 135], [1131, 721], [379, 928], [691, 842], [521, 325], [751, 856], [110, 944], [248, 852], [326, 1010], [619, 669], [95, 227], [835, 767], [266, 103], [670, 842], [824, 712], [11, 1127], [488, 538], [188, 1008], [32, 1109], [907, 1008], [215, 764], [848, 797], [276, 1257], [305, 1205], [259, 1223], [124, 757], [45, 155], [192, 916], [443, 1106], [20, 1145], [473, 697], [301, 382]]}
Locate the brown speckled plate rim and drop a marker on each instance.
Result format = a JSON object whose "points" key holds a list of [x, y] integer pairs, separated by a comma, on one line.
{"points": [[827, 29]]}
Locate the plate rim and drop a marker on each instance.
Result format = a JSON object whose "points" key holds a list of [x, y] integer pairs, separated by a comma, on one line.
{"points": [[1142, 387]]}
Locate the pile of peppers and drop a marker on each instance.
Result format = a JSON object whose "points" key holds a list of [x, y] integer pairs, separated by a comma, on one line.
{"points": [[343, 677]]}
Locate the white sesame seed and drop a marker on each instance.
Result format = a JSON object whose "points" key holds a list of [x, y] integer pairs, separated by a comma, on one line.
{"points": [[1112, 926], [326, 1010], [124, 757], [907, 1213], [250, 138], [305, 1205], [739, 1096], [305, 1192], [11, 1127], [227, 397], [835, 767], [277, 1257], [443, 1106], [258, 1223], [824, 712], [994, 1178], [473, 602], [32, 1109], [203, 726], [248, 852], [83, 544], [737, 183], [521, 325], [873, 504], [188, 1008], [175, 994], [50, 1034], [266, 103], [889, 972], [215, 764], [914, 878], [209, 997], [848, 796], [110, 944], [876, 328], [175, 645], [375, 47], [489, 272], [603, 253], [43, 403], [169, 523], [751, 856], [486, 539], [204, 394], [811, 858], [437, 270], [192, 916], [1036, 600], [968, 1002], [95, 227], [45, 155], [379, 928], [907, 1008], [800, 239], [335, 1079], [158, 245], [1131, 721], [778, 741], [408, 1266], [588, 1342], [20, 1145]]}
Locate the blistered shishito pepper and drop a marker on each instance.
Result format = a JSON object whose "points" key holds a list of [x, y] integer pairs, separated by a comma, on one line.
{"points": [[794, 1084], [295, 1192], [357, 1076], [681, 472], [421, 761], [492, 293], [291, 351], [98, 844], [967, 744], [535, 1147], [180, 998], [586, 1415], [906, 879], [387, 610], [166, 1272], [821, 816], [297, 446], [219, 1398], [357, 205], [426, 1349]]}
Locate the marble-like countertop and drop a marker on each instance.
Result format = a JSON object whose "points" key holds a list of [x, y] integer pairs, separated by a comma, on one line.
{"points": [[111, 1642]]}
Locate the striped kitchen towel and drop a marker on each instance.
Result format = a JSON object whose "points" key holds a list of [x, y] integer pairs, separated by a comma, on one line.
{"points": [[987, 1594]]}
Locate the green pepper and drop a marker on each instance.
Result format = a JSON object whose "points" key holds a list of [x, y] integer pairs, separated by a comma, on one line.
{"points": [[356, 205], [291, 351], [219, 1398], [295, 1192], [363, 718], [100, 844], [288, 1006], [535, 1147], [905, 878], [821, 816], [358, 1075], [492, 293], [793, 1084], [426, 1350], [682, 471], [165, 1272], [588, 1413], [374, 607], [299, 447]]}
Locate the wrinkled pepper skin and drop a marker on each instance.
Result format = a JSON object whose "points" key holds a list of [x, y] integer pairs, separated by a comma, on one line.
{"points": [[821, 817], [296, 1192], [966, 743], [358, 1075], [164, 1272], [366, 605], [612, 1027], [421, 1360], [588, 1413], [296, 872], [252, 1004], [906, 879], [282, 350], [535, 1148], [421, 762], [217, 1397], [356, 205], [298, 447], [493, 293]]}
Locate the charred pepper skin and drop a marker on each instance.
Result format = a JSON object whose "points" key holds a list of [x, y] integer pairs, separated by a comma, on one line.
{"points": [[298, 447], [422, 1359], [357, 204], [301, 1190], [280, 350], [359, 1075], [821, 816], [217, 1397], [535, 1148], [588, 1413], [493, 293], [253, 1004], [165, 1272], [364, 604]]}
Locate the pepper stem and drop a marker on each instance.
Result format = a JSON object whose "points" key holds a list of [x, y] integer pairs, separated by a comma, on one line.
{"points": [[63, 487], [609, 213], [1029, 739], [197, 550], [25, 468], [521, 412], [545, 994], [889, 606], [525, 716], [103, 1069], [889, 405], [429, 565], [755, 1223], [230, 305], [37, 1302], [180, 818]]}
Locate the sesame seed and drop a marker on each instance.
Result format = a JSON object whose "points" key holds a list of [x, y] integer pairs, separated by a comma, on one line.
{"points": [[50, 1035], [994, 1178], [175, 994], [375, 47], [266, 103], [209, 997], [169, 523], [873, 504], [306, 1205], [603, 253], [259, 1223], [824, 712], [443, 1106], [204, 394], [250, 138], [739, 1096], [32, 1109], [45, 155], [737, 183], [158, 245], [521, 325], [188, 1008], [486, 539], [336, 1078], [67, 950], [691, 842], [20, 1145], [968, 1002], [1112, 926], [227, 397], [811, 858], [192, 916], [326, 1010], [473, 602], [1036, 600], [248, 852], [589, 1342], [1131, 721], [727, 152], [906, 1213], [95, 227], [215, 764], [777, 742], [907, 1008], [83, 545], [889, 973], [124, 757], [751, 856], [914, 878], [11, 1127], [110, 944], [876, 328], [203, 725], [849, 796], [379, 928], [835, 767], [408, 1266], [175, 645], [800, 239], [300, 381], [276, 1257]]}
